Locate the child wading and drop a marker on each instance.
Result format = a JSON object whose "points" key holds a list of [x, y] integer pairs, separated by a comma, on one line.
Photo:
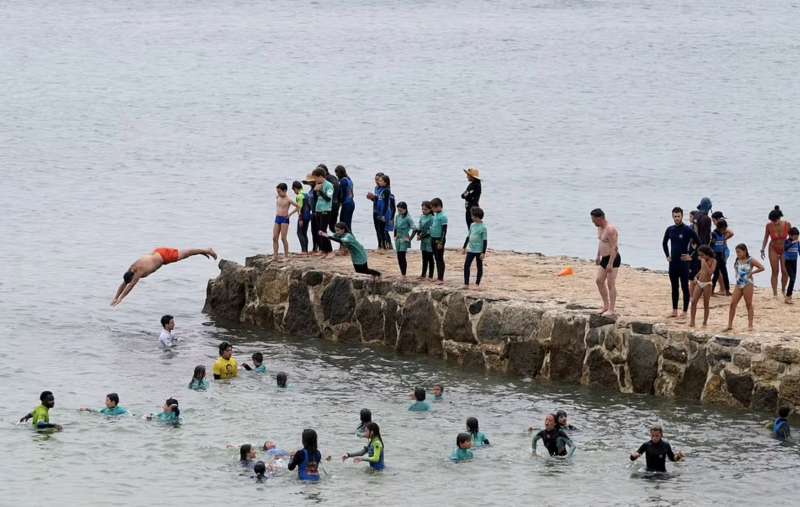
{"points": [[357, 253], [307, 459], [373, 450], [403, 234], [438, 234], [702, 283], [426, 244], [475, 246]]}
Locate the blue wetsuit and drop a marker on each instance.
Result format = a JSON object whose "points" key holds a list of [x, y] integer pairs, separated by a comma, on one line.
{"points": [[307, 464], [679, 238]]}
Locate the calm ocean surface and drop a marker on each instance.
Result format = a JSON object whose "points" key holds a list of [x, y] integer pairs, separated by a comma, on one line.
{"points": [[130, 125]]}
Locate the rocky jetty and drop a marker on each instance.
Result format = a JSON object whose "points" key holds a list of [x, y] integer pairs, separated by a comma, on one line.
{"points": [[545, 339]]}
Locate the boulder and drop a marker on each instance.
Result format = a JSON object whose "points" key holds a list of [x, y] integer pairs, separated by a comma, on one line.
{"points": [[599, 371], [300, 319], [272, 286], [338, 302], [390, 319], [476, 307], [642, 362], [789, 391], [642, 327], [767, 369], [370, 315], [782, 353], [567, 348], [716, 393], [464, 354], [347, 332], [312, 278], [525, 357], [694, 378], [500, 322], [457, 325], [597, 320], [225, 295], [673, 353], [420, 326], [765, 398], [740, 386]]}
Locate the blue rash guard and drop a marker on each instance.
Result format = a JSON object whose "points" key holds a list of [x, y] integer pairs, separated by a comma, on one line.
{"points": [[307, 464], [679, 237], [781, 429], [419, 406]]}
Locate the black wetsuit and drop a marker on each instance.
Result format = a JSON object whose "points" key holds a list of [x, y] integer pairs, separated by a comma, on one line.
{"points": [[679, 238], [472, 197], [334, 202], [656, 455], [555, 441]]}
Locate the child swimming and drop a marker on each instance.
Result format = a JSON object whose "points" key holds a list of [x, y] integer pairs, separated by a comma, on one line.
{"points": [[438, 392], [478, 438], [357, 253], [366, 417], [420, 405], [562, 423], [260, 471], [282, 379], [307, 459], [112, 407], [199, 382], [463, 444], [247, 454], [41, 415], [781, 429], [403, 234], [554, 439], [373, 450], [702, 283], [170, 413], [271, 450], [258, 363]]}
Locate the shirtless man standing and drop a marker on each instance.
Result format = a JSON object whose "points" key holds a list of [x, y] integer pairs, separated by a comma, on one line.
{"points": [[281, 228], [149, 264], [608, 261]]}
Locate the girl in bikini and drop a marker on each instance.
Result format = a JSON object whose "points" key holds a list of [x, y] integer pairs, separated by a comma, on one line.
{"points": [[702, 282], [776, 231], [744, 267]]}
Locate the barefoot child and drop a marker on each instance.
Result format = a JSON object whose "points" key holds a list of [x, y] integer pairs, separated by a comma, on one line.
{"points": [[702, 283], [303, 210], [424, 236], [357, 253], [790, 253], [403, 234], [281, 227], [744, 267], [438, 234], [475, 246], [719, 241]]}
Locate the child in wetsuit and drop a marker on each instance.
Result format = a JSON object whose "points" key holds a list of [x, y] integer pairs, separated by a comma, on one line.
{"points": [[366, 417], [258, 363], [562, 423], [307, 459], [403, 234], [420, 405], [40, 415], [475, 246], [303, 209], [702, 283], [791, 250], [426, 244], [438, 392], [656, 451], [199, 382], [555, 439], [357, 253], [170, 413], [438, 234], [373, 450], [463, 444], [478, 437], [112, 407]]}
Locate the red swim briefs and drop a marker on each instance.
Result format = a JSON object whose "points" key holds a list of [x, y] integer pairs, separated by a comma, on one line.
{"points": [[168, 255]]}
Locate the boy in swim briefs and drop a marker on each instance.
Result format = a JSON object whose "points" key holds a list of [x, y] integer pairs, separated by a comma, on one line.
{"points": [[148, 264], [702, 282], [281, 228]]}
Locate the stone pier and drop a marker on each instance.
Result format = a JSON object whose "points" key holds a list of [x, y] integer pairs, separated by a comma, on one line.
{"points": [[548, 330]]}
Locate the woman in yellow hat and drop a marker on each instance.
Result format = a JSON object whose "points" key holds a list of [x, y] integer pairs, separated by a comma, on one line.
{"points": [[472, 195]]}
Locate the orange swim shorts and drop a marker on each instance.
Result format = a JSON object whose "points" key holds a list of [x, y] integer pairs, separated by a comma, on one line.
{"points": [[168, 255]]}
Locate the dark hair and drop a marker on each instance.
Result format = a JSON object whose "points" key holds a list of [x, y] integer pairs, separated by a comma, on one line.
{"points": [[742, 246], [165, 320], [46, 395], [419, 394], [199, 373], [375, 429], [281, 378], [365, 415], [706, 250], [172, 402], [113, 397], [310, 440], [426, 204], [476, 212], [385, 177], [258, 356], [244, 450], [340, 171], [319, 172], [717, 215], [402, 205], [775, 214], [223, 347], [343, 226], [784, 411], [282, 186], [722, 224], [559, 413], [440, 386], [597, 213], [462, 437], [436, 203], [658, 428], [472, 425], [297, 184], [794, 231], [378, 175], [324, 168], [677, 209], [260, 469], [128, 276]]}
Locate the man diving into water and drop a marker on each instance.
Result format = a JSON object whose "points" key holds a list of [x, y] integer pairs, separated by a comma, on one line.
{"points": [[148, 264]]}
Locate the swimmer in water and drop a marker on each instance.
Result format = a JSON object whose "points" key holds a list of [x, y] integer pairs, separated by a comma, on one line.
{"points": [[373, 450], [41, 415], [462, 452], [438, 392], [307, 459], [226, 366], [366, 417], [199, 382], [555, 440], [282, 379], [702, 283], [478, 437], [271, 449], [258, 363], [247, 455], [150, 263], [170, 413], [260, 471], [562, 423], [781, 428], [167, 339], [420, 405], [112, 407], [656, 451]]}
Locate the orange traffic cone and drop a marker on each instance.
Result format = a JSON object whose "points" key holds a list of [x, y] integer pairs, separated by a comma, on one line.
{"points": [[568, 271]]}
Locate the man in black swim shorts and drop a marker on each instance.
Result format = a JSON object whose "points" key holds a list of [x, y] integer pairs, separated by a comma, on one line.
{"points": [[608, 260]]}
